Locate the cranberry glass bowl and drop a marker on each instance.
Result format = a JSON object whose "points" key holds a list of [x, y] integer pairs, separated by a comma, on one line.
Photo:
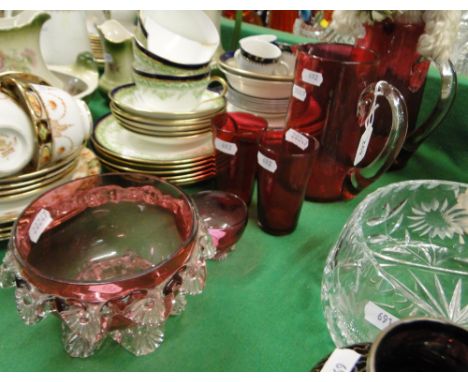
{"points": [[112, 254], [225, 216]]}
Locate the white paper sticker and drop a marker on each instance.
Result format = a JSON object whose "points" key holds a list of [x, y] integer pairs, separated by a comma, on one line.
{"points": [[363, 145], [299, 93], [311, 77], [341, 360], [39, 224], [108, 57], [297, 139], [267, 163], [377, 316], [225, 147]]}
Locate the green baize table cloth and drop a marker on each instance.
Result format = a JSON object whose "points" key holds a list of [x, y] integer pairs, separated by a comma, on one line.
{"points": [[261, 309]]}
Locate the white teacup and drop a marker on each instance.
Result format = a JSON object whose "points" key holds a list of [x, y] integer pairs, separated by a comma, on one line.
{"points": [[17, 142], [70, 120], [172, 93], [271, 38], [260, 57], [181, 37]]}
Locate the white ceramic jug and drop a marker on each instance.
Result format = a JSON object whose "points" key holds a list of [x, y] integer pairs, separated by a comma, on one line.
{"points": [[64, 36]]}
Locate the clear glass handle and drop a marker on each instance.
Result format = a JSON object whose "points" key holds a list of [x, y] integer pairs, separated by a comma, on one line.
{"points": [[448, 90], [359, 178]]}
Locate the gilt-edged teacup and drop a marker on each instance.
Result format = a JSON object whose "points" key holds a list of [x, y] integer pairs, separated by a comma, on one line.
{"points": [[70, 120], [172, 93]]}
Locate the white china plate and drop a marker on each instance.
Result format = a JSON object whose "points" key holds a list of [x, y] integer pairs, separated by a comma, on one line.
{"points": [[87, 165], [113, 137]]}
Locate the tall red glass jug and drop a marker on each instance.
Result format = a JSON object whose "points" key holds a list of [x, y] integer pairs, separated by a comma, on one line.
{"points": [[403, 67], [337, 94]]}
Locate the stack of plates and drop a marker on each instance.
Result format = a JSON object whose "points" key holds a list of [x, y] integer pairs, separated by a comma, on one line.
{"points": [[264, 95], [133, 116], [175, 146], [273, 110], [97, 49], [16, 192]]}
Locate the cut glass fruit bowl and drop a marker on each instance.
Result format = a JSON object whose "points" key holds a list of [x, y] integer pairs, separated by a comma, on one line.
{"points": [[403, 253]]}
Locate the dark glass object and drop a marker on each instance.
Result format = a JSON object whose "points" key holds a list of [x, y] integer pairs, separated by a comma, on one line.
{"points": [[235, 139]]}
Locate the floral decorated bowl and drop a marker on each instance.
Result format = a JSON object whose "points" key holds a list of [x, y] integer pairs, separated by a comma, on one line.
{"points": [[113, 255], [403, 253]]}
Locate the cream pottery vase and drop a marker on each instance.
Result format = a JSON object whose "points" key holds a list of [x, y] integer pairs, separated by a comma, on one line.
{"points": [[20, 48], [118, 56]]}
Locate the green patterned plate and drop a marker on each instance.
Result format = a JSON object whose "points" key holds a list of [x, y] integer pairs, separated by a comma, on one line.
{"points": [[127, 144]]}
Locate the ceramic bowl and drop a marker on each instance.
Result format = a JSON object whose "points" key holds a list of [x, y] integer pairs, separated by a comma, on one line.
{"points": [[111, 255], [254, 84], [183, 37], [402, 253], [80, 79], [17, 137]]}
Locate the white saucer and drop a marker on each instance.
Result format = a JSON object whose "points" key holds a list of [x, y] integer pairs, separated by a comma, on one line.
{"points": [[124, 97], [87, 165], [127, 144]]}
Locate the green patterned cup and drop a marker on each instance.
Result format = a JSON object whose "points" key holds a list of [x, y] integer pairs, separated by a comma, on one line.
{"points": [[171, 93]]}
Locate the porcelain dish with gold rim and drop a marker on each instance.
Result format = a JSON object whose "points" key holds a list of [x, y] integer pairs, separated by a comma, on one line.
{"points": [[85, 164], [110, 135], [124, 97]]}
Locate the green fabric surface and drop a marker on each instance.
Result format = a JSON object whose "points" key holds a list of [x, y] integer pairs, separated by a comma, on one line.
{"points": [[261, 308]]}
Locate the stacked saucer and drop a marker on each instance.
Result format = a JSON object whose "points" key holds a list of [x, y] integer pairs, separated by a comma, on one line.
{"points": [[97, 50], [264, 95], [19, 190], [175, 146], [135, 117]]}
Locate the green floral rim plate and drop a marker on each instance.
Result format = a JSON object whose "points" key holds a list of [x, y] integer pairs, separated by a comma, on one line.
{"points": [[123, 97], [111, 136]]}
